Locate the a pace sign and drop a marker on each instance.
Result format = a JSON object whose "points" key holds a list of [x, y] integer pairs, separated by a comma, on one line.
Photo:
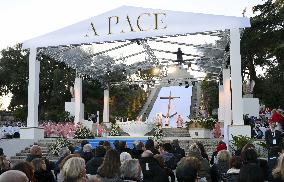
{"points": [[141, 23]]}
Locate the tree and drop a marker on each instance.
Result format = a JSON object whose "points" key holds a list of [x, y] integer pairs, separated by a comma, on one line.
{"points": [[14, 78], [210, 94], [263, 45]]}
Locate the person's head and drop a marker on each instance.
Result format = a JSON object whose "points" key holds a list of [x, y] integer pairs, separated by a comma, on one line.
{"points": [[278, 171], [236, 162], [116, 144], [166, 147], [13, 175], [249, 156], [87, 148], [147, 153], [101, 142], [38, 164], [84, 142], [36, 150], [64, 152], [74, 169], [248, 146], [175, 143], [251, 173], [100, 151], [4, 163], [131, 170], [124, 156], [138, 145], [107, 145], [122, 145], [25, 167], [110, 167], [187, 169], [71, 148], [149, 144], [223, 155], [272, 125], [194, 149], [66, 158], [201, 147]]}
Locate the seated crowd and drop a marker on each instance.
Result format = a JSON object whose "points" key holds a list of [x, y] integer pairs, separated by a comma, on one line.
{"points": [[147, 162]]}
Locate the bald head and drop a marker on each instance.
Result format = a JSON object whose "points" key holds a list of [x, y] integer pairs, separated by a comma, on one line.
{"points": [[35, 150], [147, 153], [13, 176]]}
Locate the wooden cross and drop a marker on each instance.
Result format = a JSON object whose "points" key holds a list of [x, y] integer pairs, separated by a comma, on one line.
{"points": [[169, 107]]}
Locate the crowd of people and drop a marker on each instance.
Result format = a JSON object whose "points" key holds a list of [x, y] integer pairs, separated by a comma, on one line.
{"points": [[149, 162]]}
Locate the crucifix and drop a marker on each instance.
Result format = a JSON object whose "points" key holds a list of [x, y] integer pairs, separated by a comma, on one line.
{"points": [[168, 116]]}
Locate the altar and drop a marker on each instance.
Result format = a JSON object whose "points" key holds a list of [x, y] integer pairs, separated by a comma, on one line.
{"points": [[136, 128]]}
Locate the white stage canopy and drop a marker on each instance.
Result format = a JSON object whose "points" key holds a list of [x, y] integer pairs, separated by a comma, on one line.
{"points": [[128, 22]]}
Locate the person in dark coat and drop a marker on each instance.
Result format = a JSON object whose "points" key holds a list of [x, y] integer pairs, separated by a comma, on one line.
{"points": [[152, 171], [251, 172], [233, 173], [150, 145], [93, 164], [177, 150], [137, 150], [41, 174], [202, 150], [220, 168], [87, 153], [273, 137], [167, 153]]}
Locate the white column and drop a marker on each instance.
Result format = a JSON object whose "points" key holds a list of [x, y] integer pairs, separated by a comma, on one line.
{"points": [[221, 104], [79, 111], [235, 61], [227, 103], [33, 89], [32, 131], [106, 106]]}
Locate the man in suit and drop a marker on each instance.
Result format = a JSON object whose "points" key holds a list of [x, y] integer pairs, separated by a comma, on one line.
{"points": [[273, 137]]}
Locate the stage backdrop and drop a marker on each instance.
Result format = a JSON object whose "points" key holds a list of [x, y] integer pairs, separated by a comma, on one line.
{"points": [[180, 105]]}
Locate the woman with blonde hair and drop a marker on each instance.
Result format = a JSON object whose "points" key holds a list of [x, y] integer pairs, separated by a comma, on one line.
{"points": [[74, 170], [278, 171], [131, 170]]}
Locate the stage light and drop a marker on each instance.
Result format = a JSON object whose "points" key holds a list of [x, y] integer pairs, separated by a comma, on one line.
{"points": [[156, 71]]}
